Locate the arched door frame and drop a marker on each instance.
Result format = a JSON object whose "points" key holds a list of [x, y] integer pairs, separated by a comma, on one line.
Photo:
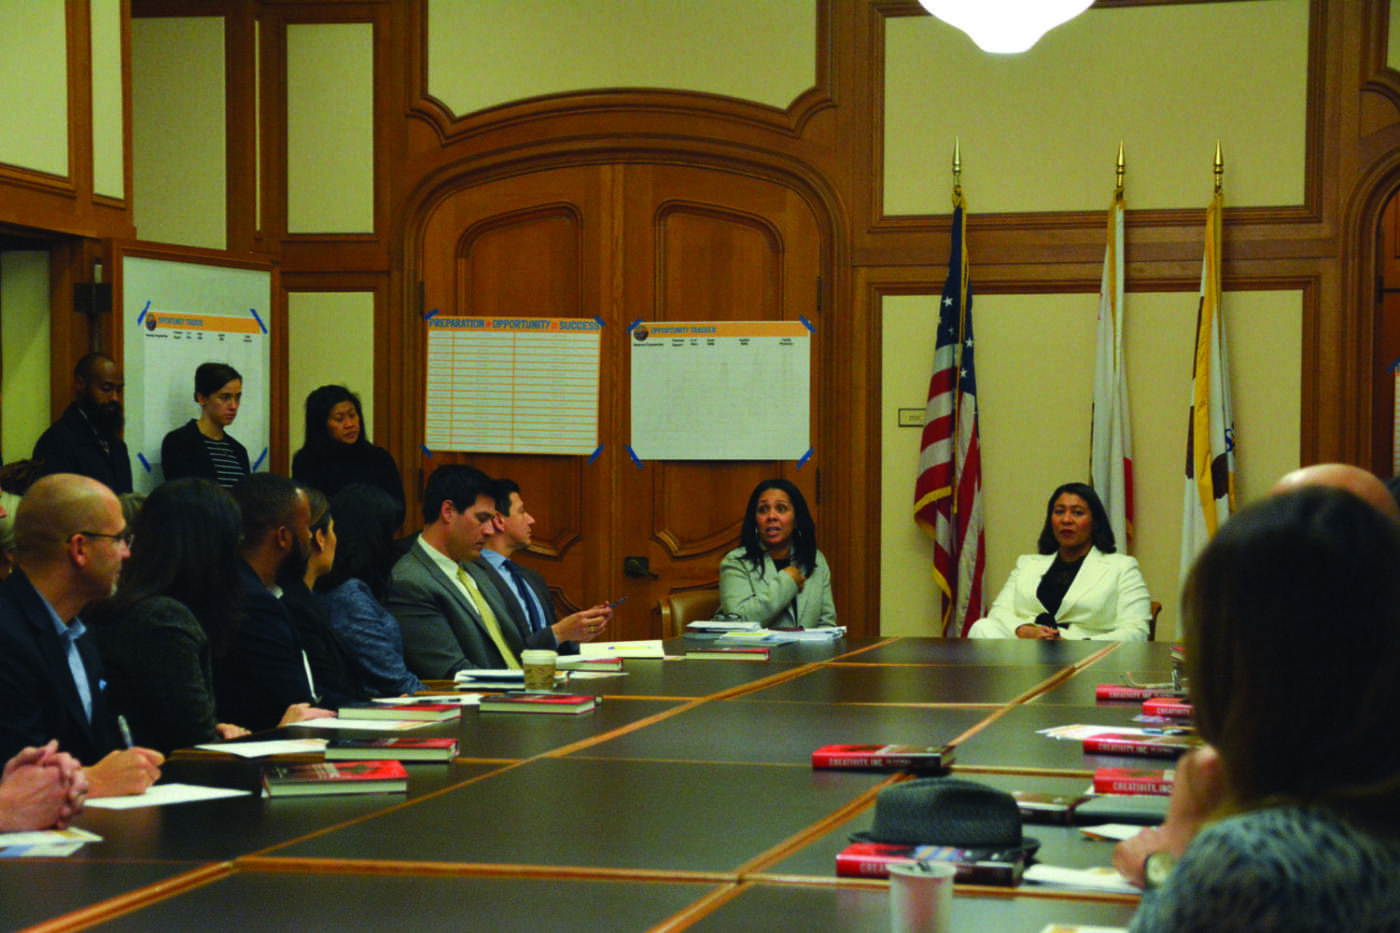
{"points": [[844, 497]]}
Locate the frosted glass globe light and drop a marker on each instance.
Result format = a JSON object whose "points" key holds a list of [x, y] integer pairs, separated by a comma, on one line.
{"points": [[1005, 26]]}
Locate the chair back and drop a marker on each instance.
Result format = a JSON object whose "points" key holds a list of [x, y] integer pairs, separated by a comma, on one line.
{"points": [[1152, 622], [681, 608]]}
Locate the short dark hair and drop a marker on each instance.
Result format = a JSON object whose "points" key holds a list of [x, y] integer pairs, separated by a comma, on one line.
{"points": [[1100, 528], [185, 546], [268, 502], [457, 483], [82, 370], [504, 488], [318, 408], [211, 377], [804, 528], [1292, 617], [366, 518]]}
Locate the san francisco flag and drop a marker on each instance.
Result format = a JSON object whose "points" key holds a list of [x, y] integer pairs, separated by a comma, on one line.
{"points": [[1111, 437], [1210, 436], [948, 493]]}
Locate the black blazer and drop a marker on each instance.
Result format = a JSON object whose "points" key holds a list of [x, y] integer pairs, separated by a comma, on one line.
{"points": [[183, 453], [70, 446], [38, 697], [264, 670]]}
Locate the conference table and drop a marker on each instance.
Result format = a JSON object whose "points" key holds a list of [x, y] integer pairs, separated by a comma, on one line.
{"points": [[685, 800]]}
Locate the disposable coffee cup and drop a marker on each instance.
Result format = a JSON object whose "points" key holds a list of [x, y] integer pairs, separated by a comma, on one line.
{"points": [[921, 897], [539, 669]]}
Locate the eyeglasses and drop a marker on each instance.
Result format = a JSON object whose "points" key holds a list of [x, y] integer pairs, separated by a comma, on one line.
{"points": [[124, 536]]}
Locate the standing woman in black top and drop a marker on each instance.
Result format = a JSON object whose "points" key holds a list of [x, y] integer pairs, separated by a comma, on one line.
{"points": [[204, 448], [337, 453]]}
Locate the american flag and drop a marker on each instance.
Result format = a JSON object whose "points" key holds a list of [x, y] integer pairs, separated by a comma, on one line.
{"points": [[948, 494]]}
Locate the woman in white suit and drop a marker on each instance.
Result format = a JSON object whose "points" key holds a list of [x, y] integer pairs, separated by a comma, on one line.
{"points": [[1076, 587]]}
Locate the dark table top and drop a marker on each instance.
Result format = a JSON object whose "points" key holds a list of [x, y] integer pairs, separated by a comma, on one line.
{"points": [[635, 815], [908, 683], [791, 908], [422, 903], [690, 779], [749, 730], [1012, 740]]}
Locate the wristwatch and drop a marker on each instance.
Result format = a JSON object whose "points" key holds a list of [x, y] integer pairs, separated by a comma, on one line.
{"points": [[1158, 868]]}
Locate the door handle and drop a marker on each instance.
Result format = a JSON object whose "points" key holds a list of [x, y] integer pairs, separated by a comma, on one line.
{"points": [[637, 567]]}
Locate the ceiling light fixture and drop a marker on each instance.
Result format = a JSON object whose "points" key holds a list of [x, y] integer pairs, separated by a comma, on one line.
{"points": [[1006, 26]]}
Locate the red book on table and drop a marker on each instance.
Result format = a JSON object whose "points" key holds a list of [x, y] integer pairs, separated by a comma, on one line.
{"points": [[1133, 781]]}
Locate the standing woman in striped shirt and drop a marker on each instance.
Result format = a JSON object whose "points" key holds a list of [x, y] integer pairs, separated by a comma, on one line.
{"points": [[204, 447]]}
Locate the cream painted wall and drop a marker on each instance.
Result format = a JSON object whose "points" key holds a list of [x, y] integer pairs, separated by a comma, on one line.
{"points": [[178, 148], [330, 339], [24, 351], [108, 120], [1040, 131], [1035, 371], [490, 52], [34, 86], [330, 128], [1392, 51]]}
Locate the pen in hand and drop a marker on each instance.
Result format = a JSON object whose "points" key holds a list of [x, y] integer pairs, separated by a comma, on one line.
{"points": [[126, 731]]}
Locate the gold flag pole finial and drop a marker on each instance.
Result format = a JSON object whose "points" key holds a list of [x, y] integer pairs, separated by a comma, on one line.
{"points": [[957, 168], [1219, 168], [1118, 171]]}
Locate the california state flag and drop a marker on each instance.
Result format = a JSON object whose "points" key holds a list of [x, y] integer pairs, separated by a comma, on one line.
{"points": [[1210, 436], [1111, 457]]}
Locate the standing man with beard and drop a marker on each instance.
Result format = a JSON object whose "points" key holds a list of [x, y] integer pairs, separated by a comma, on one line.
{"points": [[265, 674], [87, 439]]}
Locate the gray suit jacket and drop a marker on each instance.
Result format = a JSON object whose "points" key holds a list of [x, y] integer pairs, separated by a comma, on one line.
{"points": [[442, 632], [544, 638]]}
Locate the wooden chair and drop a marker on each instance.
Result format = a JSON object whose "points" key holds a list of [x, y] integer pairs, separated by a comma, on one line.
{"points": [[681, 608], [1152, 622]]}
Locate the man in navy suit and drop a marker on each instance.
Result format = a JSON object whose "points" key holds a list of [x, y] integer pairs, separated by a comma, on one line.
{"points": [[71, 540], [523, 590]]}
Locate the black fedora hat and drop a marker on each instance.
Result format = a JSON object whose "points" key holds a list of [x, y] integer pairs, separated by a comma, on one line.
{"points": [[947, 811]]}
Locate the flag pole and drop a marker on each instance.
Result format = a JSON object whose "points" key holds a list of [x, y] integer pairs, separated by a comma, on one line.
{"points": [[1219, 168], [1119, 170], [957, 170], [957, 359]]}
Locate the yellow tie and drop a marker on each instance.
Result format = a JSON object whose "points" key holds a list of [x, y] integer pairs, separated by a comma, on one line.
{"points": [[488, 618]]}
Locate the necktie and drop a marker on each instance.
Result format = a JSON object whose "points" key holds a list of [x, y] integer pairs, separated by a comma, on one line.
{"points": [[532, 613], [488, 618]]}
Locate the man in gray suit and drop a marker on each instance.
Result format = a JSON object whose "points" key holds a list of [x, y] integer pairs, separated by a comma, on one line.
{"points": [[448, 620], [523, 591]]}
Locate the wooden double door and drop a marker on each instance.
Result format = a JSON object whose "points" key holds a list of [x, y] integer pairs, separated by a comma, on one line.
{"points": [[624, 242]]}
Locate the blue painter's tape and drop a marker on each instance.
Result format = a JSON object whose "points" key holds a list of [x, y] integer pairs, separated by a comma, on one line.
{"points": [[142, 316], [807, 323], [633, 326], [144, 462], [259, 462], [426, 451], [802, 461], [635, 459], [254, 313], [430, 315], [594, 456]]}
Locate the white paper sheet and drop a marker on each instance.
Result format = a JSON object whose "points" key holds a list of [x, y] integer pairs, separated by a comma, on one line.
{"points": [[694, 387], [263, 749], [161, 795]]}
